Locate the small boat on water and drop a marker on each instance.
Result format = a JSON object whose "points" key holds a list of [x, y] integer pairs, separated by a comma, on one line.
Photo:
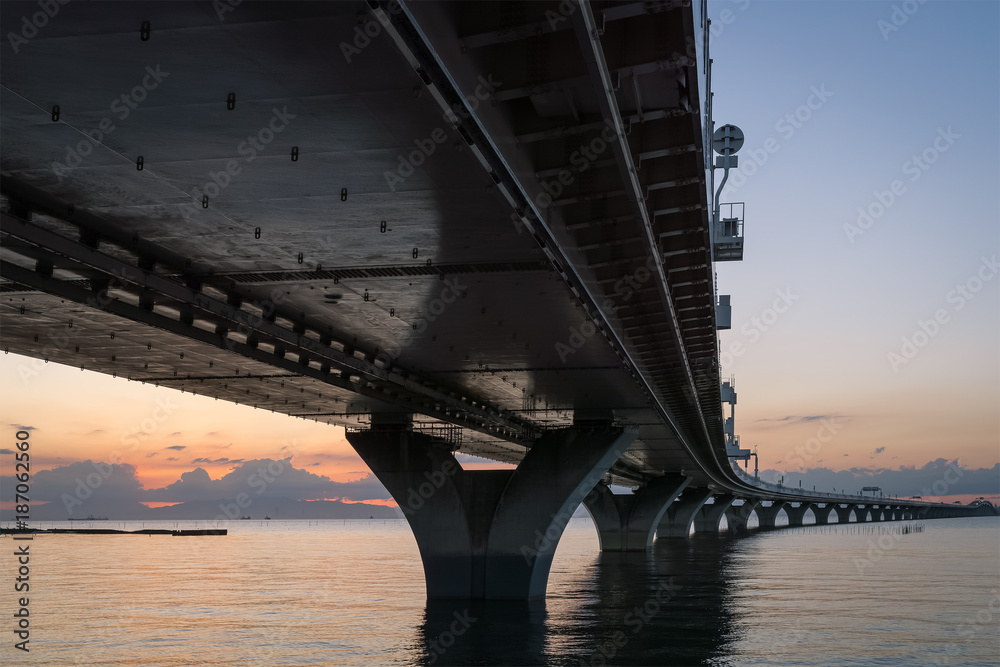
{"points": [[267, 518]]}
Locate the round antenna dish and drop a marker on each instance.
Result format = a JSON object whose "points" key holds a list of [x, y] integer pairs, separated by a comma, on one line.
{"points": [[727, 140]]}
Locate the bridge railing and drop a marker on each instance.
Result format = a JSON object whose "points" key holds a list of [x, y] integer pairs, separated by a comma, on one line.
{"points": [[781, 488]]}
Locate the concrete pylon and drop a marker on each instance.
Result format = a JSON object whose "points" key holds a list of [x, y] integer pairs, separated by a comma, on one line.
{"points": [[843, 513], [768, 515], [676, 521], [738, 515], [876, 512], [706, 520], [822, 514], [796, 514], [627, 522], [861, 513], [489, 534]]}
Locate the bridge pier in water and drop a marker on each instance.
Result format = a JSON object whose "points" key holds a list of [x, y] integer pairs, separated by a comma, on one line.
{"points": [[737, 516], [706, 520], [797, 514], [628, 522], [822, 514], [676, 521], [767, 515], [488, 534]]}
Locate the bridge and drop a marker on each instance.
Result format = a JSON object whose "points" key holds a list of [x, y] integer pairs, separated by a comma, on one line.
{"points": [[469, 227]]}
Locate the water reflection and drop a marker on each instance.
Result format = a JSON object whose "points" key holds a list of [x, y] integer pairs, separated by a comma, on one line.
{"points": [[664, 607]]}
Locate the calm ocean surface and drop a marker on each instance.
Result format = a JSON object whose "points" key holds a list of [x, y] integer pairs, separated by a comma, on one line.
{"points": [[336, 593]]}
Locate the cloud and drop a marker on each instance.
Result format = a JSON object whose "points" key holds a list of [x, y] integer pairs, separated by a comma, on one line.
{"points": [[83, 479], [177, 447], [174, 434], [149, 456], [221, 460], [265, 478], [879, 450], [173, 458], [6, 451], [901, 481], [19, 427], [795, 419]]}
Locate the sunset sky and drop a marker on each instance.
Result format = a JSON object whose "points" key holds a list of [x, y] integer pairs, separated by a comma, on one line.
{"points": [[835, 107]]}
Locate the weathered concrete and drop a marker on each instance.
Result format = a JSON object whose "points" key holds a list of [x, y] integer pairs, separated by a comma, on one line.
{"points": [[489, 534], [676, 521], [706, 520], [628, 522]]}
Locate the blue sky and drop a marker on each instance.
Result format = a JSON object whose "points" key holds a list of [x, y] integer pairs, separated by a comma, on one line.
{"points": [[885, 96]]}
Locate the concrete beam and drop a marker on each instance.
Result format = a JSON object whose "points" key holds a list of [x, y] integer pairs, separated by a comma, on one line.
{"points": [[676, 520], [627, 522], [489, 534]]}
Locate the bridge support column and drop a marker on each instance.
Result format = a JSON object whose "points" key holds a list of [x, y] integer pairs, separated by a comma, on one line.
{"points": [[489, 534], [706, 520], [676, 521], [822, 514], [627, 522], [861, 513], [796, 514], [876, 513], [737, 516], [843, 513], [768, 515]]}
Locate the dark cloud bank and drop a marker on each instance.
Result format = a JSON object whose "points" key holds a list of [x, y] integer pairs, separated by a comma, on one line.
{"points": [[253, 488], [277, 488]]}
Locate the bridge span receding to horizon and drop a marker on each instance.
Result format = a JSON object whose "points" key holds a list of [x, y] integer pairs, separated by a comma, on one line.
{"points": [[468, 227]]}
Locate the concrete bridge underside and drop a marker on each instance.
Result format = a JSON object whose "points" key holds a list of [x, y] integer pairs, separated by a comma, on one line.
{"points": [[454, 228]]}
